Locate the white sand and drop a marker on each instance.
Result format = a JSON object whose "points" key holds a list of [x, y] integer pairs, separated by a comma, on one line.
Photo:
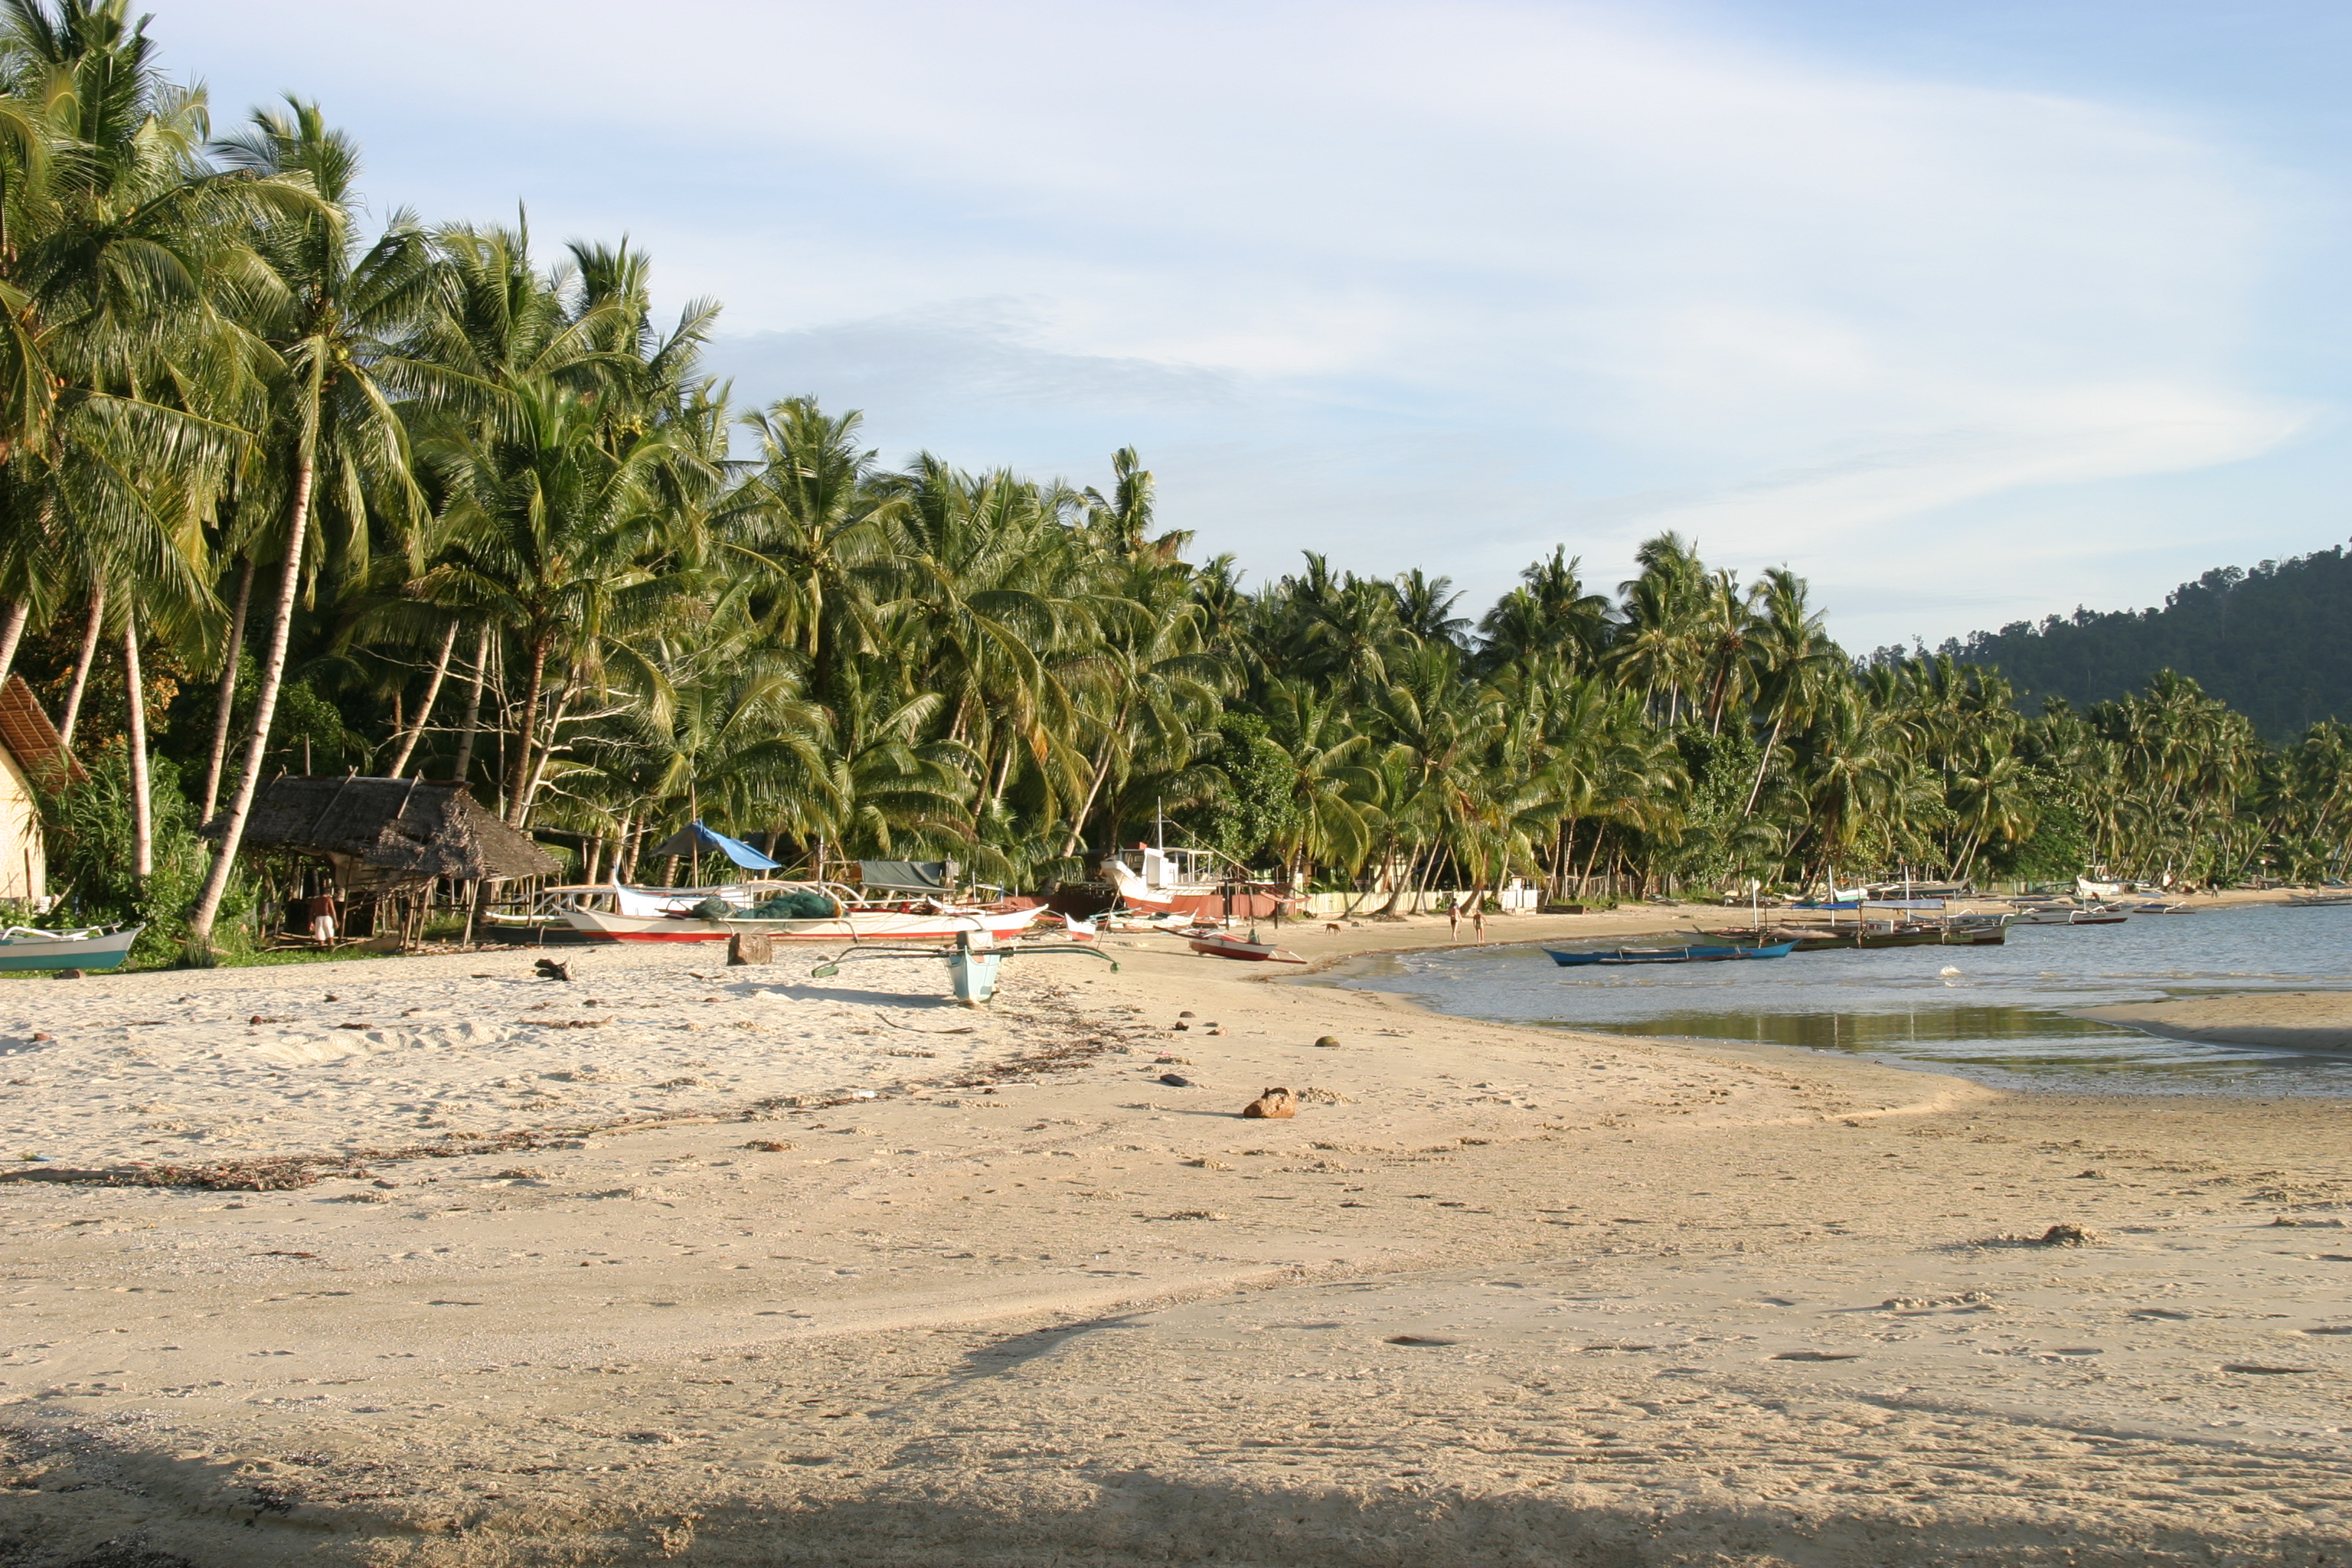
{"points": [[1091, 1318], [255, 1064]]}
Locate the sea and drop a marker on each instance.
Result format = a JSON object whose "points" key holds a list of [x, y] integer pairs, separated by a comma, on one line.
{"points": [[1998, 1015]]}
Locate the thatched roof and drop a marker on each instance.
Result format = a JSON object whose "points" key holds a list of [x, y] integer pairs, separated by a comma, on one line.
{"points": [[388, 833], [32, 740]]}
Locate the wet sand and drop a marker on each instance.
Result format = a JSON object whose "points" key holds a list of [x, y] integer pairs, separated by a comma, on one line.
{"points": [[1496, 1294], [2291, 1020]]}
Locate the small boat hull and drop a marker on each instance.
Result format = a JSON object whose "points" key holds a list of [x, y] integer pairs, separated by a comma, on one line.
{"points": [[1697, 953], [22, 950], [1236, 947], [858, 925]]}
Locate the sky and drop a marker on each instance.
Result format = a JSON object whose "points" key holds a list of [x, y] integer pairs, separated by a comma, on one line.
{"points": [[1969, 312]]}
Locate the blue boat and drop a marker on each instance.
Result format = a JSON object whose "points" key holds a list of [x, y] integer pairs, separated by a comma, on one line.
{"points": [[1694, 954]]}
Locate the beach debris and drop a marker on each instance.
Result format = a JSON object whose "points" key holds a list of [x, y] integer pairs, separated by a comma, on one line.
{"points": [[771, 1145], [2309, 1224], [1197, 1214], [519, 1174], [2260, 1369], [1164, 1059], [332, 998], [1181, 1025], [68, 974], [1314, 1096], [1328, 1042], [1175, 1080], [549, 969], [1273, 1105], [1185, 1014], [1819, 1355], [2331, 1328], [1928, 1303], [43, 1034], [2063, 1234], [2092, 1175], [1426, 1340], [1206, 1163]]}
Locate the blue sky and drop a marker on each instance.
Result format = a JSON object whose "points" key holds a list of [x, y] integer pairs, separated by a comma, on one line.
{"points": [[1969, 311]]}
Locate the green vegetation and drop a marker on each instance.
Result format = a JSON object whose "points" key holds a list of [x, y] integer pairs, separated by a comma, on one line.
{"points": [[277, 493], [2275, 642]]}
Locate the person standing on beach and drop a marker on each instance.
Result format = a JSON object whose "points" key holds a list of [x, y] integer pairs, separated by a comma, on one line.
{"points": [[322, 915], [1453, 921], [1478, 918]]}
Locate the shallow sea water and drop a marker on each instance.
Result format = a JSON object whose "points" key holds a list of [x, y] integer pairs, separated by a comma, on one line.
{"points": [[1995, 1013]]}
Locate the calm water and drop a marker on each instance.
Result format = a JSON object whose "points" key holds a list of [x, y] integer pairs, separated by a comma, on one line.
{"points": [[1990, 1012]]}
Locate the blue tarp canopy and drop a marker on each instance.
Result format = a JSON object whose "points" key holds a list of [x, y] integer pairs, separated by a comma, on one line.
{"points": [[696, 839]]}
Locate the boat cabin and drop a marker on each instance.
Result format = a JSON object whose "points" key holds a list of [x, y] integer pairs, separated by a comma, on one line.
{"points": [[1173, 870]]}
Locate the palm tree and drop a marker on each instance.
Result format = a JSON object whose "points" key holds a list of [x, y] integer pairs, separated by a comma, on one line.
{"points": [[1795, 662], [335, 452], [563, 544]]}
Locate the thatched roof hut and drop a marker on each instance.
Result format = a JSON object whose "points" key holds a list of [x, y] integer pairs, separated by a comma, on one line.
{"points": [[384, 835]]}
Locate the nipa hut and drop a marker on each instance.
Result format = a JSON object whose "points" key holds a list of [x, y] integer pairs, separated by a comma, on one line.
{"points": [[386, 837]]}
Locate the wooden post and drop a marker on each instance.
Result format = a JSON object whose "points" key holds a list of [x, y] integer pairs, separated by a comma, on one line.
{"points": [[751, 947]]}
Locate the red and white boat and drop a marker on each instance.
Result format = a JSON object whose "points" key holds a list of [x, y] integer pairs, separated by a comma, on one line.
{"points": [[672, 914], [1160, 881], [1219, 944]]}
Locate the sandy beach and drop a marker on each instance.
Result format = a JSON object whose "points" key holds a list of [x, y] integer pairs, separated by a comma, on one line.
{"points": [[427, 1261], [2294, 1020]]}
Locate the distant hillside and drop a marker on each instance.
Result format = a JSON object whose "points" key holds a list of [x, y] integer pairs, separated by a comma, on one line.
{"points": [[2275, 642]]}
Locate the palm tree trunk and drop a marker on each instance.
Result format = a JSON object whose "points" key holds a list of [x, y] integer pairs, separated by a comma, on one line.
{"points": [[12, 632], [81, 666], [547, 752], [265, 710], [142, 819], [425, 708], [1763, 763], [473, 706], [519, 795], [1102, 772], [225, 700]]}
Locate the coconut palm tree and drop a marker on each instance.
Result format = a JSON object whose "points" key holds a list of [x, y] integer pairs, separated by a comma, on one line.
{"points": [[335, 453]]}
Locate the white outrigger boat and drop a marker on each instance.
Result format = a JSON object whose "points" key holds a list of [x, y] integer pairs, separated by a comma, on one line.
{"points": [[685, 914], [93, 947]]}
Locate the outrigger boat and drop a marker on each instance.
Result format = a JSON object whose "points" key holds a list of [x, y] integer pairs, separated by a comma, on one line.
{"points": [[93, 947], [1219, 944], [687, 914], [2067, 915], [1697, 953]]}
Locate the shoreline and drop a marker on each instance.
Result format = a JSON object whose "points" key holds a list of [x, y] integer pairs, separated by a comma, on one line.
{"points": [[1495, 1290]]}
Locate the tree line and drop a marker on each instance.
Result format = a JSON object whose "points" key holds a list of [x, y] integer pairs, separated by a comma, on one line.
{"points": [[2275, 642], [280, 492]]}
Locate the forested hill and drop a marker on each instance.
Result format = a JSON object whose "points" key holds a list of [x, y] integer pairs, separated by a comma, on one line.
{"points": [[2275, 642]]}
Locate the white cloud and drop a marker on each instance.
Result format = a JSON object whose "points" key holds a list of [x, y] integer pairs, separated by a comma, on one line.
{"points": [[1408, 282]]}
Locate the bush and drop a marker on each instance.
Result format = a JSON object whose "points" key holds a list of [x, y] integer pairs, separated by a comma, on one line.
{"points": [[88, 828]]}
